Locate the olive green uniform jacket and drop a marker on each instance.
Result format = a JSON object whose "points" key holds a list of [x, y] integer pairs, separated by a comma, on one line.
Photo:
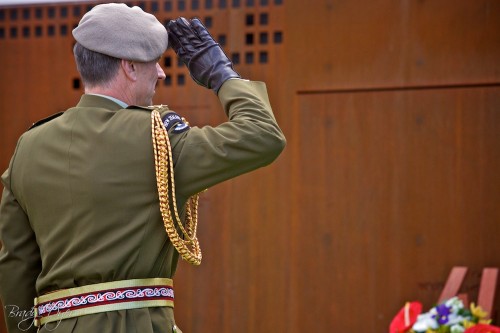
{"points": [[80, 202]]}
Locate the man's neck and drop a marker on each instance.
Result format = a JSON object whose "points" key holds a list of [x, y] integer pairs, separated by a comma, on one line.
{"points": [[116, 100], [120, 93]]}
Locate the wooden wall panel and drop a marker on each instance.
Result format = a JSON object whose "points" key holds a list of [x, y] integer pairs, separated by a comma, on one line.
{"points": [[243, 282], [356, 43], [34, 85], [395, 189]]}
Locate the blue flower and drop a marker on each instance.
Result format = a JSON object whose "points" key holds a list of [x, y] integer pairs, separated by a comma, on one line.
{"points": [[443, 313]]}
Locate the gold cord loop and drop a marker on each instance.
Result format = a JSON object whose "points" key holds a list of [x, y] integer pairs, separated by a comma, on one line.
{"points": [[186, 243]]}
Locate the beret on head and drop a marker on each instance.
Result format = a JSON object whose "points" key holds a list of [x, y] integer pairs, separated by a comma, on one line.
{"points": [[122, 32]]}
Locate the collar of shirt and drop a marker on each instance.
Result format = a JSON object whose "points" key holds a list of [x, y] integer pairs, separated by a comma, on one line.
{"points": [[117, 101]]}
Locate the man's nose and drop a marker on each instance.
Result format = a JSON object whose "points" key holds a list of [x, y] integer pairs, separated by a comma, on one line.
{"points": [[161, 73]]}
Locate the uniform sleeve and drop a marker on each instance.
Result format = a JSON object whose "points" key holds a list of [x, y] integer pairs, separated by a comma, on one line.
{"points": [[20, 261], [250, 139]]}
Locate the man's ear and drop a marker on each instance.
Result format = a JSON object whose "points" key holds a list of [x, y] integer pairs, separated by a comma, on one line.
{"points": [[130, 69]]}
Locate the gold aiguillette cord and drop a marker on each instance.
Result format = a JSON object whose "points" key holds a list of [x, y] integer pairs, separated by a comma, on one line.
{"points": [[186, 243]]}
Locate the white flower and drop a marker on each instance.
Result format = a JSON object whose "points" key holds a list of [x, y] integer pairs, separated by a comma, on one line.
{"points": [[454, 319], [457, 329], [424, 322], [455, 304]]}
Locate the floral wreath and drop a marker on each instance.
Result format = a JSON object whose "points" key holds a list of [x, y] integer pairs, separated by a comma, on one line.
{"points": [[450, 316]]}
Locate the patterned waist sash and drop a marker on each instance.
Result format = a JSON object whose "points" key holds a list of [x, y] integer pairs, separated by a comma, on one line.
{"points": [[102, 297]]}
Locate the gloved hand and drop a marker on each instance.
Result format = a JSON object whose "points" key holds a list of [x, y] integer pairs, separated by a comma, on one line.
{"points": [[203, 56]]}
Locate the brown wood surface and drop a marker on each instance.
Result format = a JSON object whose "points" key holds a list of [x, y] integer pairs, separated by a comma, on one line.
{"points": [[390, 177], [406, 198]]}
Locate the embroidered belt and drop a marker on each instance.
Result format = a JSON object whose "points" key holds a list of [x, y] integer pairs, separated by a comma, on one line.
{"points": [[102, 297]]}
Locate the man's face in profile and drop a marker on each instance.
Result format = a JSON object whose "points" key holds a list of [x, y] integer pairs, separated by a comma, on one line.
{"points": [[148, 74]]}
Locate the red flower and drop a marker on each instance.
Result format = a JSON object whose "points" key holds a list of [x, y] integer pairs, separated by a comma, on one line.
{"points": [[483, 328], [406, 317]]}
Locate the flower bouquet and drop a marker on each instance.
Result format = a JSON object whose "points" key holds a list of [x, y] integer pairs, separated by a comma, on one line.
{"points": [[448, 317]]}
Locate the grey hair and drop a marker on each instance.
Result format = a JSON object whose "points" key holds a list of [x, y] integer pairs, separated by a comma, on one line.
{"points": [[96, 69]]}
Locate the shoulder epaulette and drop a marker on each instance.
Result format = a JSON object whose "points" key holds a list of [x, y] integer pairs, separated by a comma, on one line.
{"points": [[45, 120], [169, 118], [145, 108], [149, 108]]}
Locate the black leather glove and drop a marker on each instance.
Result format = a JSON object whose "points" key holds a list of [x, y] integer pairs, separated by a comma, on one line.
{"points": [[203, 56]]}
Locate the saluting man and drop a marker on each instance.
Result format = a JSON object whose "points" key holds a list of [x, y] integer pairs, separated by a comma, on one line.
{"points": [[99, 201]]}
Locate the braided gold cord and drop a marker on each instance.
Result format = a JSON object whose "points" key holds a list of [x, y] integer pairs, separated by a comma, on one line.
{"points": [[186, 243]]}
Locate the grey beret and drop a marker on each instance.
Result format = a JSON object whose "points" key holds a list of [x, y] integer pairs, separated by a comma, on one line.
{"points": [[122, 32]]}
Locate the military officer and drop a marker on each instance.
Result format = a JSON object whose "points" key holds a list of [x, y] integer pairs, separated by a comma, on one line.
{"points": [[100, 201]]}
